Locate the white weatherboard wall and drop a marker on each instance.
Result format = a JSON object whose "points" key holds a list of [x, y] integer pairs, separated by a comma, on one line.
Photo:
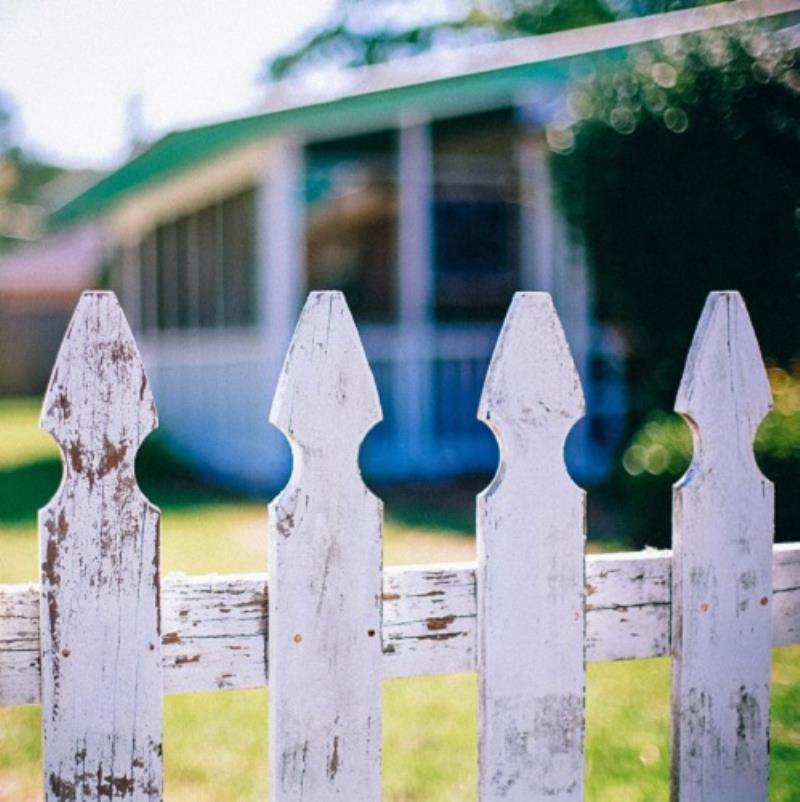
{"points": [[102, 638]]}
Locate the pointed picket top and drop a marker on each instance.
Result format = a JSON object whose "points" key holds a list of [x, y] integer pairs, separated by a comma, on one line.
{"points": [[98, 406], [722, 568], [326, 378], [724, 392], [325, 559], [530, 580], [98, 538], [532, 380]]}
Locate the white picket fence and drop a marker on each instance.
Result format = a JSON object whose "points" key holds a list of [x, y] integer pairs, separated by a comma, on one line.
{"points": [[103, 637]]}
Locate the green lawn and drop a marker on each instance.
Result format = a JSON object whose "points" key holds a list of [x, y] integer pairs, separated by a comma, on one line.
{"points": [[215, 744]]}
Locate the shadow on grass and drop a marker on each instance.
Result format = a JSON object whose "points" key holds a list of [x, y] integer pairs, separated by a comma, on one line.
{"points": [[448, 507], [163, 478], [25, 488], [171, 484]]}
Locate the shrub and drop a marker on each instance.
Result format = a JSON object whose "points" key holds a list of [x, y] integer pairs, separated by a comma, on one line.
{"points": [[661, 450]]}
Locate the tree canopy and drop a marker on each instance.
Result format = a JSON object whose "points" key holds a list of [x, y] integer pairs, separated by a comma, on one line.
{"points": [[21, 180], [680, 170], [360, 32]]}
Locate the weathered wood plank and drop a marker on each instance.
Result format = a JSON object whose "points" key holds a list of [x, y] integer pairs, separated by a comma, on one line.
{"points": [[20, 676], [628, 606], [722, 563], [530, 573], [429, 619], [214, 627], [214, 632], [99, 614], [325, 559], [785, 594], [628, 610]]}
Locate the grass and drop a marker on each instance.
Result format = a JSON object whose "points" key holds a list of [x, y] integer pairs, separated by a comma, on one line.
{"points": [[215, 744]]}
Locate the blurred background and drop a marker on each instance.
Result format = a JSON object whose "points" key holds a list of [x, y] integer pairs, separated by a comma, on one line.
{"points": [[213, 163]]}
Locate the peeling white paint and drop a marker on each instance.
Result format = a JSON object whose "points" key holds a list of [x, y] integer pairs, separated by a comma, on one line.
{"points": [[530, 582], [325, 560], [721, 574], [100, 641]]}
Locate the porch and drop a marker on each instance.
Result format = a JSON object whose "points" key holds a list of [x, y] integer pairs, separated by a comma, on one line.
{"points": [[213, 396], [427, 227]]}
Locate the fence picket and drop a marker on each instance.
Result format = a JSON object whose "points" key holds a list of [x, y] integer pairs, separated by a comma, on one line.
{"points": [[722, 567], [324, 647], [329, 623], [99, 611], [530, 576]]}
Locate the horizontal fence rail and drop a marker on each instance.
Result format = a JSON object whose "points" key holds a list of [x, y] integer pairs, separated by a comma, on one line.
{"points": [[101, 638], [215, 627]]}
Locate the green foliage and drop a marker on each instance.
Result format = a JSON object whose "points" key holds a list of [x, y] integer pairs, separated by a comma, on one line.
{"points": [[661, 450], [30, 176], [680, 169], [21, 176], [360, 32]]}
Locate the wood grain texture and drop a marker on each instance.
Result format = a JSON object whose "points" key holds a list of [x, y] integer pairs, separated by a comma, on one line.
{"points": [[20, 678], [785, 594], [722, 563], [215, 627], [530, 580], [214, 632], [100, 642], [325, 561]]}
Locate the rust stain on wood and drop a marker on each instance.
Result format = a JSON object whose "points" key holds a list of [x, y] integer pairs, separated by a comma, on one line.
{"points": [[183, 659], [440, 623], [333, 760], [113, 456]]}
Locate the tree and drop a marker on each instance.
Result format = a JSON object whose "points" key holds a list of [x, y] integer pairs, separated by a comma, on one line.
{"points": [[680, 170], [360, 32], [21, 180]]}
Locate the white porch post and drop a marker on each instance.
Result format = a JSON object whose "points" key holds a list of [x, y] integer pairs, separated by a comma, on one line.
{"points": [[280, 266], [550, 260], [415, 226], [128, 284], [537, 218], [415, 284], [280, 252]]}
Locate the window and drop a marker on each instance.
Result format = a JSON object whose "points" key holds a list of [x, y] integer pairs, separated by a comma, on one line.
{"points": [[351, 221], [476, 216], [199, 271]]}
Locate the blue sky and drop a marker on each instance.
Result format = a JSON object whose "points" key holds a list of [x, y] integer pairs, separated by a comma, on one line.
{"points": [[70, 65]]}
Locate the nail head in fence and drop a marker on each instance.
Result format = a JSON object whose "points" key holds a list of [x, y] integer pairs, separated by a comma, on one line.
{"points": [[722, 567], [530, 575], [325, 653], [99, 611]]}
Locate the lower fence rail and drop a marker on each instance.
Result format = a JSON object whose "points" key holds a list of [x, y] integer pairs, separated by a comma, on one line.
{"points": [[215, 628]]}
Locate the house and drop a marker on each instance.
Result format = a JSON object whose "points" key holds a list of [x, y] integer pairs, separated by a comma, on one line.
{"points": [[421, 189]]}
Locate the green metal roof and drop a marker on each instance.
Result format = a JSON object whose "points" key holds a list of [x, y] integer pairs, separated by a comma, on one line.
{"points": [[181, 150], [511, 68]]}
